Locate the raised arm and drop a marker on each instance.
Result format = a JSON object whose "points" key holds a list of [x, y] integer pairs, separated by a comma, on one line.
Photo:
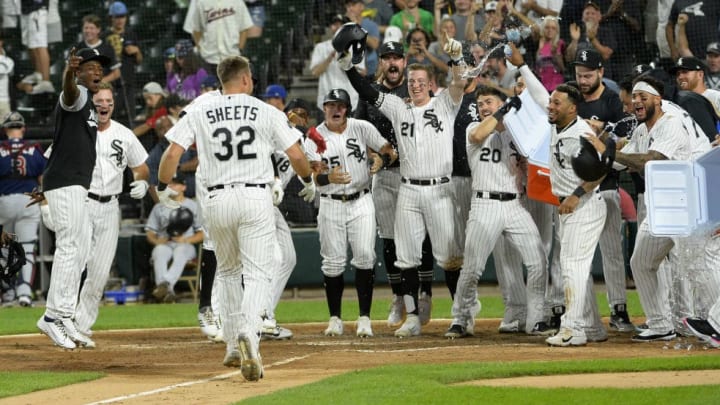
{"points": [[538, 92], [70, 88]]}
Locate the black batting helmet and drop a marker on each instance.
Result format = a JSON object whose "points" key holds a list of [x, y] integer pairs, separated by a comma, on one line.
{"points": [[350, 36], [180, 220], [338, 95], [588, 165], [12, 259]]}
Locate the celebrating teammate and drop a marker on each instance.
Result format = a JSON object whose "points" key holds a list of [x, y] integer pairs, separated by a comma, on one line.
{"points": [[425, 202], [235, 136], [21, 166], [66, 181], [347, 213]]}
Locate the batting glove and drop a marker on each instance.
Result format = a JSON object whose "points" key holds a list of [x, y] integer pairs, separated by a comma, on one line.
{"points": [[454, 49], [277, 192], [138, 189], [308, 191], [165, 198], [345, 61]]}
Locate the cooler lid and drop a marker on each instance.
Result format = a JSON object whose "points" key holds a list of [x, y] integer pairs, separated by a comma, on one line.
{"points": [[529, 127], [673, 197]]}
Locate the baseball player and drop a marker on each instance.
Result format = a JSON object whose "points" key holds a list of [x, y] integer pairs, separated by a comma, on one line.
{"points": [[21, 167], [496, 212], [117, 148], [425, 200], [235, 135], [66, 181], [386, 184], [660, 136], [347, 213], [171, 250], [706, 328]]}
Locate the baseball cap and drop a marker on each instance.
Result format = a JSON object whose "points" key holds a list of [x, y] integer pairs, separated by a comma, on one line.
{"points": [[154, 88], [210, 81], [337, 18], [641, 69], [589, 58], [391, 47], [88, 54], [392, 34], [714, 48], [491, 6], [688, 63], [118, 9], [13, 120], [591, 4], [275, 91], [297, 103], [169, 53], [183, 48]]}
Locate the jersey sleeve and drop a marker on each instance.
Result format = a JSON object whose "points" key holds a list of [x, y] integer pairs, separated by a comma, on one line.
{"points": [[182, 133], [285, 134], [79, 102], [372, 136], [391, 105], [137, 155], [671, 139]]}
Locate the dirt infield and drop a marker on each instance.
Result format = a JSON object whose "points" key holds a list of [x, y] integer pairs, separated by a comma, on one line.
{"points": [[179, 365]]}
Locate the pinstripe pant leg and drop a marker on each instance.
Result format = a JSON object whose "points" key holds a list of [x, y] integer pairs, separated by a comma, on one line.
{"points": [[649, 252], [439, 213], [712, 264], [288, 260], [409, 227], [509, 272], [105, 218], [555, 294], [677, 278], [708, 282], [332, 228], [611, 250], [361, 232]]}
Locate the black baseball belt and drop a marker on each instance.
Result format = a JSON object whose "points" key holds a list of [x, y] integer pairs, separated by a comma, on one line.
{"points": [[102, 198], [489, 195], [224, 186], [426, 182], [346, 197]]}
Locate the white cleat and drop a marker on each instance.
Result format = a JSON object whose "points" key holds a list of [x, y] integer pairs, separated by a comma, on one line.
{"points": [[397, 312], [335, 327], [411, 327], [55, 330], [250, 362], [80, 339], [364, 328], [208, 322], [565, 338]]}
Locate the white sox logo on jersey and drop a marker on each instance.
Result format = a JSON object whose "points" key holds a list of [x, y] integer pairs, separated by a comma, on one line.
{"points": [[472, 111], [433, 120], [557, 154], [216, 14], [116, 144], [357, 153]]}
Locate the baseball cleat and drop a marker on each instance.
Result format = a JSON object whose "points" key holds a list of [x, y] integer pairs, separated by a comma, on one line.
{"points": [[424, 308], [25, 301], [276, 333], [566, 337], [543, 329], [397, 312], [619, 319], [364, 328], [411, 327], [335, 327], [250, 361], [509, 327], [55, 330], [654, 335], [456, 331], [703, 330], [77, 337], [232, 358], [207, 322]]}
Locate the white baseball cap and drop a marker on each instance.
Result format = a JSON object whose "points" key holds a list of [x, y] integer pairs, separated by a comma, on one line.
{"points": [[392, 34]]}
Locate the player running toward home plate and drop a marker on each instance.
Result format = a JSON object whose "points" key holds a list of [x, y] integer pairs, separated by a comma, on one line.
{"points": [[497, 212], [236, 134], [424, 129], [347, 212]]}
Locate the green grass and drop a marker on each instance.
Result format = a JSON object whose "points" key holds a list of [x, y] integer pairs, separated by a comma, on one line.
{"points": [[428, 384], [17, 383], [22, 320]]}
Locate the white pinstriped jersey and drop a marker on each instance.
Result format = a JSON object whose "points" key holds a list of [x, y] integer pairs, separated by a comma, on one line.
{"points": [[563, 146], [117, 148], [494, 163], [666, 137], [235, 136], [284, 168], [699, 142], [424, 134], [714, 97], [349, 150]]}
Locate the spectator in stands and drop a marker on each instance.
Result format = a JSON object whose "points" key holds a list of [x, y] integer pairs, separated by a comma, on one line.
{"points": [[550, 63], [477, 50], [493, 32], [712, 54], [380, 12], [154, 97], [91, 29], [187, 73], [34, 23], [536, 10], [256, 8], [497, 75], [701, 27], [623, 18], [171, 252], [690, 73], [324, 66], [125, 43], [592, 34], [446, 28], [412, 16], [466, 28], [209, 83], [417, 45], [219, 29], [275, 95], [354, 12], [6, 68], [168, 62]]}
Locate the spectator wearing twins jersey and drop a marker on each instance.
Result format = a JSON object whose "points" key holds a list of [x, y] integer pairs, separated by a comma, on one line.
{"points": [[347, 213], [601, 106], [21, 166], [386, 184]]}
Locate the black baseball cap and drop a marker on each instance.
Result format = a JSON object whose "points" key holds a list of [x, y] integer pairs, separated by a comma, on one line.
{"points": [[688, 63], [713, 48], [641, 69], [391, 47], [589, 58], [592, 4], [297, 103], [90, 54]]}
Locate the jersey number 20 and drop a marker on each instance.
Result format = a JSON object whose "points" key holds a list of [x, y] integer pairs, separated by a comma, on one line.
{"points": [[226, 142]]}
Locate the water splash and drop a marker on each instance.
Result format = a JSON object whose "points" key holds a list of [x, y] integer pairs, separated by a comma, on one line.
{"points": [[475, 71]]}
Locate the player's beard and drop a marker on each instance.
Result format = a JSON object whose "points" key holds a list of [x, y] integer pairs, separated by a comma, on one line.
{"points": [[396, 73], [593, 87], [649, 113]]}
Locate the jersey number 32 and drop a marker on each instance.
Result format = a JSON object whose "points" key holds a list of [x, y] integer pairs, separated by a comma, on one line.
{"points": [[247, 137]]}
